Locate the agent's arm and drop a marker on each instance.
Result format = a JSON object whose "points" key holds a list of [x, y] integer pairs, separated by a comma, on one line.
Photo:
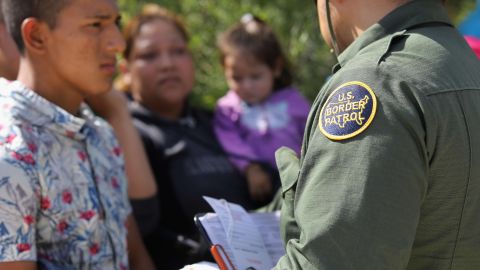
{"points": [[355, 203]]}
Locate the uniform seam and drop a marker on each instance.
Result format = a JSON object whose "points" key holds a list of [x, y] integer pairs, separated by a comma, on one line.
{"points": [[448, 91], [431, 129], [468, 180], [388, 49]]}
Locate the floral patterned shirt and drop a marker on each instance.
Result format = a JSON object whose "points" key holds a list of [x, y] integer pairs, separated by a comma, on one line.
{"points": [[63, 193]]}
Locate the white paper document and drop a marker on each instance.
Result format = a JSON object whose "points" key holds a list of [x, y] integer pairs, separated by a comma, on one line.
{"points": [[201, 266], [251, 240]]}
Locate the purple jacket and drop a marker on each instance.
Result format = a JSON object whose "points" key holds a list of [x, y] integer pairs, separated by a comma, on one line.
{"points": [[254, 132]]}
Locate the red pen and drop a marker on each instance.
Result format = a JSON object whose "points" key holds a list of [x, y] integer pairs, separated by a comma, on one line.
{"points": [[221, 257]]}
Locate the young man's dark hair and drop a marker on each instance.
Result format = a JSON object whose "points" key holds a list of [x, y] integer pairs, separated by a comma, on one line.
{"points": [[16, 11]]}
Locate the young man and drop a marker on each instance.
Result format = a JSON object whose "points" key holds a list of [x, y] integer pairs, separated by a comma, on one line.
{"points": [[63, 192], [389, 176]]}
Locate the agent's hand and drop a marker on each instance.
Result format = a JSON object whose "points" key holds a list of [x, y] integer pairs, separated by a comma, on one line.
{"points": [[259, 182]]}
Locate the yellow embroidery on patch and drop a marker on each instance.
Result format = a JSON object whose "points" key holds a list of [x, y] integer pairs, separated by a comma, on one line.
{"points": [[348, 111]]}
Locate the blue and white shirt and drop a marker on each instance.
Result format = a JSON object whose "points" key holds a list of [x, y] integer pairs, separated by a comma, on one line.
{"points": [[63, 190]]}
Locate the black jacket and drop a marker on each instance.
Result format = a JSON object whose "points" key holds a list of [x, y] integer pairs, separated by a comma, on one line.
{"points": [[188, 163]]}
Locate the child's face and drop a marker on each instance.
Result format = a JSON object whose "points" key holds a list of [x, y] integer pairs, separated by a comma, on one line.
{"points": [[161, 66], [249, 78], [81, 49]]}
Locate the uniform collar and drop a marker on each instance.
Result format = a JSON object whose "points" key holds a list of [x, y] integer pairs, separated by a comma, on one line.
{"points": [[405, 17], [38, 111]]}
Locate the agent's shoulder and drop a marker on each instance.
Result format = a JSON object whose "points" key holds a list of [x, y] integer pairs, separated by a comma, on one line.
{"points": [[427, 62]]}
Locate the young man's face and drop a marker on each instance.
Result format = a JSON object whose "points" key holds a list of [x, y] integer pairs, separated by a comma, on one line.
{"points": [[82, 47]]}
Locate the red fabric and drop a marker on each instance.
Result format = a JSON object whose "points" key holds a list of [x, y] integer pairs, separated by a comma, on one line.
{"points": [[474, 43]]}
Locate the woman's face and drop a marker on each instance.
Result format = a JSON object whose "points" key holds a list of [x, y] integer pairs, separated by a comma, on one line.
{"points": [[161, 66]]}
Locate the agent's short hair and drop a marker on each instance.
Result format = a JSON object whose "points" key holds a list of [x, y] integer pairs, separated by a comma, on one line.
{"points": [[16, 11]]}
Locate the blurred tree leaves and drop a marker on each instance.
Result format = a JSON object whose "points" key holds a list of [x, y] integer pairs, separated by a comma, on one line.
{"points": [[295, 23]]}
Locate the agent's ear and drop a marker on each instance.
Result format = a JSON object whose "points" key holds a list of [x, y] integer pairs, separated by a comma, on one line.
{"points": [[34, 34]]}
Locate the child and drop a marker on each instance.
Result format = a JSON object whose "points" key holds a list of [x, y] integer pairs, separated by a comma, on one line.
{"points": [[63, 186], [262, 111]]}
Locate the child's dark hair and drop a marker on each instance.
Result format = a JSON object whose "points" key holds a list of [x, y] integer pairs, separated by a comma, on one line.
{"points": [[254, 36], [16, 11]]}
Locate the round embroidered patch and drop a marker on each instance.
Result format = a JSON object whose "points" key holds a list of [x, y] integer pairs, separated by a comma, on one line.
{"points": [[348, 111]]}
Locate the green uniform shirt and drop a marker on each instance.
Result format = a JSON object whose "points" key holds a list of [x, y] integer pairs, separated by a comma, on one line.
{"points": [[403, 192]]}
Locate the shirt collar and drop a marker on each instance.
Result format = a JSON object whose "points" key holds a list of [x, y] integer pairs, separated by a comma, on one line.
{"points": [[141, 112], [40, 112], [412, 14]]}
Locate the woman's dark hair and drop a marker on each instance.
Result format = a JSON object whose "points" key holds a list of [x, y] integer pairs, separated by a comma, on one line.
{"points": [[149, 13], [254, 36]]}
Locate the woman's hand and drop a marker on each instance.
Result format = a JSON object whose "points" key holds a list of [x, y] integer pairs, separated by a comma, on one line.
{"points": [[259, 182]]}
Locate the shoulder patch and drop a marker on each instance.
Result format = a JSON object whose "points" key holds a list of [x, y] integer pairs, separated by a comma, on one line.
{"points": [[348, 111]]}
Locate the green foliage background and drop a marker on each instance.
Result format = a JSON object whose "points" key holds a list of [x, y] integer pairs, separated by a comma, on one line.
{"points": [[295, 23]]}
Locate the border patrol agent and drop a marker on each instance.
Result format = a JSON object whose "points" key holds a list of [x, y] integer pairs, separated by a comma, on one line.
{"points": [[389, 175]]}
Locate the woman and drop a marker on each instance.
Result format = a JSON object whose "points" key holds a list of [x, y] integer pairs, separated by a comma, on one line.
{"points": [[187, 160]]}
